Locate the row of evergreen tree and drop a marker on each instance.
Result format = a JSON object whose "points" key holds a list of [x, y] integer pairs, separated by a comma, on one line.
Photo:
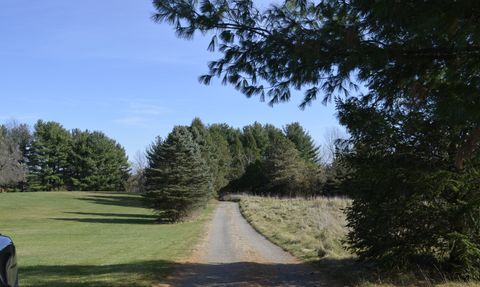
{"points": [[196, 162], [53, 158]]}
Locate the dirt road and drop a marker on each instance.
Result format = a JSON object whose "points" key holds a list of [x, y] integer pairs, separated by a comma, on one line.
{"points": [[233, 254]]}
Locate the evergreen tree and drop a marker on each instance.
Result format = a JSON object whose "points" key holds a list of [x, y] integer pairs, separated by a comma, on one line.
{"points": [[251, 150], [284, 168], [273, 133], [222, 154], [237, 152], [237, 157], [254, 180], [303, 142], [48, 156], [201, 136], [96, 162], [401, 161], [261, 135], [177, 179]]}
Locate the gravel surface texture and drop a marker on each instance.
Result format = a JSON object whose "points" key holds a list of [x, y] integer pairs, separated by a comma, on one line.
{"points": [[232, 253]]}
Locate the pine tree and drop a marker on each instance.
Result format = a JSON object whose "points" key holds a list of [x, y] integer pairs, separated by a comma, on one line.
{"points": [[48, 156], [303, 142], [237, 157], [201, 136], [273, 133], [284, 168], [96, 162], [177, 179], [222, 154], [237, 152], [252, 152]]}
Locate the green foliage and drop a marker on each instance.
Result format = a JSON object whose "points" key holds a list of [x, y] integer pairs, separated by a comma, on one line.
{"points": [[401, 164], [284, 168], [335, 174], [78, 160], [253, 181], [221, 151], [48, 156], [288, 174], [202, 137], [177, 177], [274, 165], [237, 152], [303, 142], [236, 158], [252, 152], [96, 162]]}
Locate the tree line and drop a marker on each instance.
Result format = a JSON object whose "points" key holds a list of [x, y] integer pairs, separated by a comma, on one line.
{"points": [[53, 158], [258, 159], [194, 163]]}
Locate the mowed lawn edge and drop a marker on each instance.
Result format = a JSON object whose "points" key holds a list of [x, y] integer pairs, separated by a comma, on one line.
{"points": [[94, 238]]}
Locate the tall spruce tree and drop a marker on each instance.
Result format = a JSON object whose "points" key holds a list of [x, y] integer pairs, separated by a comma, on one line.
{"points": [[177, 179], [237, 151], [48, 156], [236, 156], [222, 154], [284, 168], [252, 152], [201, 136], [303, 142]]}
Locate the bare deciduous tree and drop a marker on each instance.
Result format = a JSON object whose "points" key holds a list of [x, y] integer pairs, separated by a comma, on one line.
{"points": [[12, 171], [330, 143]]}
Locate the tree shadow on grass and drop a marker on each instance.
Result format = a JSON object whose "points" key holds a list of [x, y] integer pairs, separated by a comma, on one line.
{"points": [[135, 274], [329, 273], [110, 218], [147, 216], [147, 273], [113, 199]]}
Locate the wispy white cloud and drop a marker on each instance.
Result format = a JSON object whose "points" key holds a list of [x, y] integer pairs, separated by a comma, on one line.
{"points": [[132, 120], [141, 112], [146, 109]]}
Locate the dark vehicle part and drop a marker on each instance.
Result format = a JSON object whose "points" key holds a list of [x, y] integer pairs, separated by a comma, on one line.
{"points": [[8, 263]]}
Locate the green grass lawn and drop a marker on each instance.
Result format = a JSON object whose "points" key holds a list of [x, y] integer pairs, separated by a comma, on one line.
{"points": [[92, 239]]}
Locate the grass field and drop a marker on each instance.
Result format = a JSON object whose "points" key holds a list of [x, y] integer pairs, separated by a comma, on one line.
{"points": [[73, 239], [309, 229], [313, 230]]}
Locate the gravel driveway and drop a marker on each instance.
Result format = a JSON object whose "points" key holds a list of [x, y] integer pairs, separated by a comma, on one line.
{"points": [[233, 254]]}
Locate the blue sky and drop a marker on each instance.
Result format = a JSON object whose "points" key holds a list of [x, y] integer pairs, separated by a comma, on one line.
{"points": [[104, 65]]}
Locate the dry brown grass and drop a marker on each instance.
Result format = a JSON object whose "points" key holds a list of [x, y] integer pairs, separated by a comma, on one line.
{"points": [[313, 230], [307, 228]]}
